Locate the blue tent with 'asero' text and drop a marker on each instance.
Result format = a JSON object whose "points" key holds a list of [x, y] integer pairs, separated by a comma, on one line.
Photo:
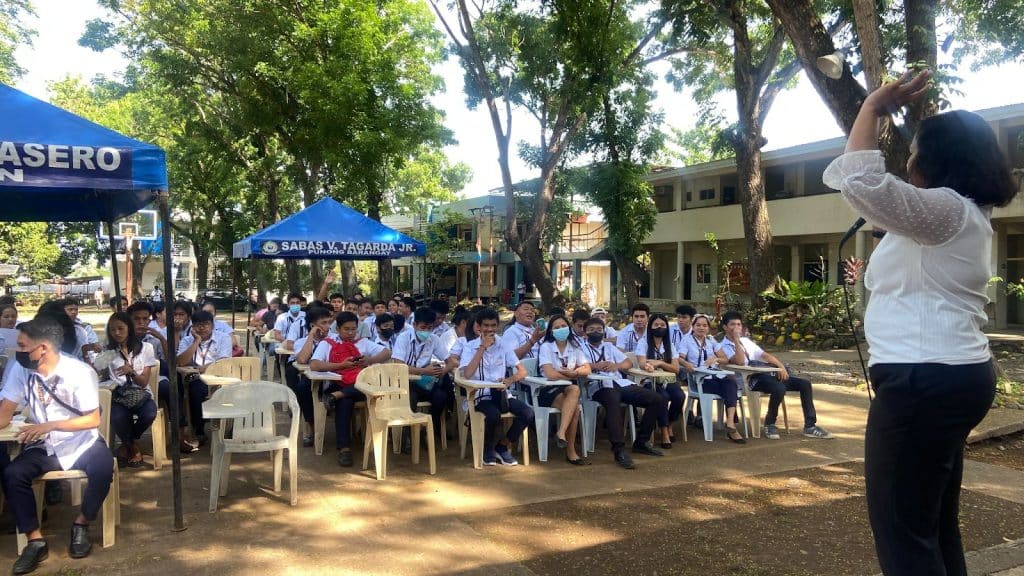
{"points": [[58, 167], [328, 230]]}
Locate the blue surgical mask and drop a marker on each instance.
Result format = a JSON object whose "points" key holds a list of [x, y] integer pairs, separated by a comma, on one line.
{"points": [[561, 334], [294, 308], [423, 335]]}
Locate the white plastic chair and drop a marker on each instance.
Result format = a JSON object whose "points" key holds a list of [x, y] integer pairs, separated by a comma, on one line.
{"points": [[316, 384], [391, 411], [159, 427], [466, 408], [111, 509], [255, 433], [695, 383], [530, 387]]}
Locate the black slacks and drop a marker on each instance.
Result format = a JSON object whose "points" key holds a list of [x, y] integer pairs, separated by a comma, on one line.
{"points": [[914, 455]]}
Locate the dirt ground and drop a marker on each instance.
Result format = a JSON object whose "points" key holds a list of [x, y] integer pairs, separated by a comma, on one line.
{"points": [[1006, 451]]}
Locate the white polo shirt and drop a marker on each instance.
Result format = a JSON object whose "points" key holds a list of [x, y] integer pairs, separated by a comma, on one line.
{"points": [[754, 352], [678, 339], [516, 335], [606, 352], [76, 384], [628, 338], [493, 365], [457, 347], [642, 350], [139, 362], [410, 351], [284, 322], [447, 336], [222, 326], [209, 351], [695, 353], [297, 330], [569, 359]]}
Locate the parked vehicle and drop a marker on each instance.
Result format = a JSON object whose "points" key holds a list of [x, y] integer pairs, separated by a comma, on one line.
{"points": [[224, 300]]}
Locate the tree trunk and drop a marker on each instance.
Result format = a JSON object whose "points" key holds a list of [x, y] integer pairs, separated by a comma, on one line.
{"points": [[348, 277], [756, 228], [291, 273], [385, 278], [202, 266], [922, 51], [533, 261], [869, 31], [631, 275]]}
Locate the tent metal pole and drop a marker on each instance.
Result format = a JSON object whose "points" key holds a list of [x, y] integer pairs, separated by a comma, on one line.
{"points": [[248, 316], [113, 265], [234, 290], [170, 354]]}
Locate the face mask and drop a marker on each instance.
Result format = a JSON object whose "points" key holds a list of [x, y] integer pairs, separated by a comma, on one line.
{"points": [[658, 332], [385, 334], [595, 338], [25, 361], [561, 334], [423, 335], [294, 308]]}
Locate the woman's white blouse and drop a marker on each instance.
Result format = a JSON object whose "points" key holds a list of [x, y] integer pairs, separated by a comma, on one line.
{"points": [[928, 276]]}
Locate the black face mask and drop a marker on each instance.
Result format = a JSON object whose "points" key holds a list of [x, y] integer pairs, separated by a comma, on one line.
{"points": [[25, 361], [595, 338], [385, 334], [658, 332]]}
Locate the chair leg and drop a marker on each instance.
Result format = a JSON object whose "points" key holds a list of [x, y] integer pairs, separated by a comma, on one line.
{"points": [[588, 424], [278, 468], [707, 404], [216, 469], [379, 432], [159, 433], [526, 446], [431, 448], [319, 419], [754, 412], [367, 448], [396, 441], [541, 420], [293, 475], [76, 493], [109, 513], [416, 442], [785, 416], [476, 421], [444, 430]]}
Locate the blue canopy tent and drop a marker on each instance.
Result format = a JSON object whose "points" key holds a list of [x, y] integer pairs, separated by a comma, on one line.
{"points": [[58, 167], [328, 230]]}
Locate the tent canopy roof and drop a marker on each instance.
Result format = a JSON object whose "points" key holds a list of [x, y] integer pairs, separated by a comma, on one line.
{"points": [[328, 230], [56, 166]]}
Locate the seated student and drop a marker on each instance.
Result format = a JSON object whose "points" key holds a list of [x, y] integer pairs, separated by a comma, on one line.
{"points": [[384, 328], [364, 311], [285, 321], [112, 302], [487, 360], [610, 333], [393, 305], [71, 346], [680, 331], [738, 349], [201, 347], [347, 356], [703, 352], [84, 333], [655, 353], [319, 320], [159, 314], [61, 395], [523, 336], [218, 325], [561, 358], [132, 409], [607, 360], [424, 354], [444, 332], [370, 321], [406, 304], [462, 324], [157, 338], [269, 318], [633, 333], [579, 321], [8, 316], [337, 300]]}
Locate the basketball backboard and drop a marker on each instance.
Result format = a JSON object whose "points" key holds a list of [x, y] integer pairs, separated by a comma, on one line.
{"points": [[141, 225]]}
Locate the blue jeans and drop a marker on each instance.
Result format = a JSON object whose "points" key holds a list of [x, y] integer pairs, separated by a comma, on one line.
{"points": [[490, 407]]}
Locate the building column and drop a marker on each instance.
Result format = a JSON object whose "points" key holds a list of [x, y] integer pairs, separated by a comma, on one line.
{"points": [[577, 275], [680, 266], [998, 297], [835, 266], [678, 195], [860, 251], [796, 263]]}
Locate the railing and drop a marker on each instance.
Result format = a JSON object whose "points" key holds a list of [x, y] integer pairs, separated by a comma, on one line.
{"points": [[577, 243]]}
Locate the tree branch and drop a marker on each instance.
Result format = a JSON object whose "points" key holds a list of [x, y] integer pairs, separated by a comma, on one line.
{"points": [[772, 89]]}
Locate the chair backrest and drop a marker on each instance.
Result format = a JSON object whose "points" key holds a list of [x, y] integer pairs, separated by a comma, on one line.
{"points": [[530, 365], [258, 399], [105, 397], [154, 382], [245, 368], [392, 375]]}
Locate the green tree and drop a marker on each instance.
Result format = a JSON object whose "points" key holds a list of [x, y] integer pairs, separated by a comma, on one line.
{"points": [[442, 240], [13, 33], [701, 144], [26, 245]]}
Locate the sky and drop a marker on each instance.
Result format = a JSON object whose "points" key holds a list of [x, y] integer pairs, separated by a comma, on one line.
{"points": [[797, 117]]}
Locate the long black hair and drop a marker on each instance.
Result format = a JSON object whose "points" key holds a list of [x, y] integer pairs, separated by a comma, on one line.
{"points": [[549, 335], [958, 150], [133, 342], [665, 340]]}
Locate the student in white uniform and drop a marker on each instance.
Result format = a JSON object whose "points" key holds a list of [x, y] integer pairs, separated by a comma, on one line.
{"points": [[132, 409], [636, 331], [655, 352], [523, 336], [607, 360], [610, 334], [88, 342], [703, 352], [424, 354], [61, 395], [561, 358], [485, 359], [579, 322], [347, 355], [680, 331], [319, 319], [201, 347]]}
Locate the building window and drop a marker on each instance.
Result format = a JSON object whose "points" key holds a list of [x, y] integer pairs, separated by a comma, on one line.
{"points": [[703, 273], [664, 198], [466, 232], [707, 194]]}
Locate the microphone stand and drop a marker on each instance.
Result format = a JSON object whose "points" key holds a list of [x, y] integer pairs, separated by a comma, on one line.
{"points": [[849, 310]]}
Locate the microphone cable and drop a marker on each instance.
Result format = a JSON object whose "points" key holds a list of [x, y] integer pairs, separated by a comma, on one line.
{"points": [[849, 309]]}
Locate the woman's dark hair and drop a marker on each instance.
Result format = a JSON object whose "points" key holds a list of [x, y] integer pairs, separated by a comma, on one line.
{"points": [[133, 342], [549, 336], [315, 314], [665, 341], [958, 150], [55, 309], [44, 328]]}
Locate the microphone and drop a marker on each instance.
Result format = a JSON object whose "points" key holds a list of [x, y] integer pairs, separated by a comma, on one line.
{"points": [[853, 230]]}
